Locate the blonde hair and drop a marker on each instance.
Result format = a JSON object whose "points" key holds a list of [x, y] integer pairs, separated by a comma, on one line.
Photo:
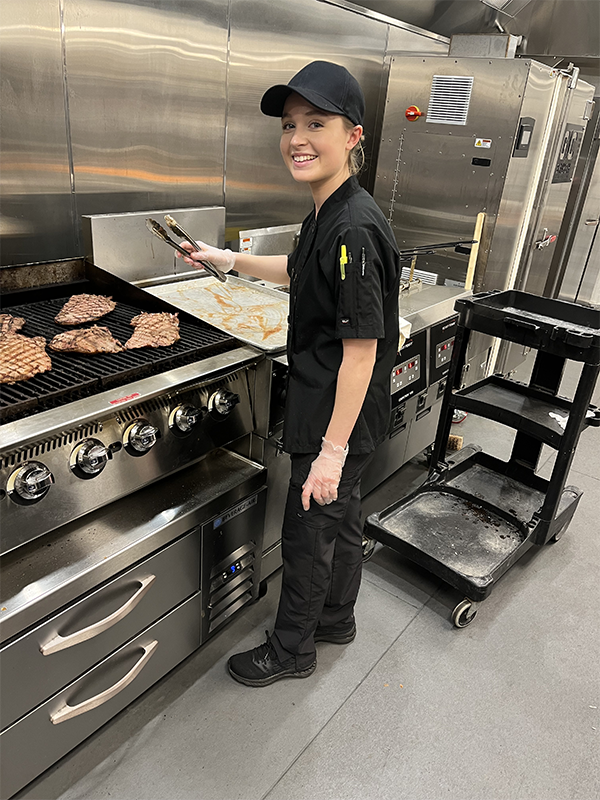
{"points": [[356, 157]]}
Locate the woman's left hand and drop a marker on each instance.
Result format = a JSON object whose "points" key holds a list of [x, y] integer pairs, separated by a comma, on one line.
{"points": [[324, 476]]}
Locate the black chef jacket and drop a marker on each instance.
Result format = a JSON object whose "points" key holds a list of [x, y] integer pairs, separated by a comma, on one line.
{"points": [[331, 300]]}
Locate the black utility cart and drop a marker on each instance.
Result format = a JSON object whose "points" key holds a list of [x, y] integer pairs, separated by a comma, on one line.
{"points": [[475, 515]]}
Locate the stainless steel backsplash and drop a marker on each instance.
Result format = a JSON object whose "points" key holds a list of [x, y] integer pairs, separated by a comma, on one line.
{"points": [[116, 106]]}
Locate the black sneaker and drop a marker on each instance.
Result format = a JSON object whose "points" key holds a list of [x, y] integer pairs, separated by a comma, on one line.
{"points": [[335, 636], [261, 666]]}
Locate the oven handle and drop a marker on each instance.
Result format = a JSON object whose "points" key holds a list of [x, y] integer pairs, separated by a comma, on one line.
{"points": [[68, 712], [62, 642]]}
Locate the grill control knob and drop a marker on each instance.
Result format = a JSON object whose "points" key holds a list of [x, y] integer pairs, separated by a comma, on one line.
{"points": [[141, 436], [91, 457], [30, 482], [184, 418], [222, 402]]}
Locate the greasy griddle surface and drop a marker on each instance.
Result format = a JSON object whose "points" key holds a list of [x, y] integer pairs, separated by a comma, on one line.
{"points": [[77, 375], [254, 316]]}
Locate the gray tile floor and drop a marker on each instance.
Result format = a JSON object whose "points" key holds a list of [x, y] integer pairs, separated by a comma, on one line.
{"points": [[505, 709]]}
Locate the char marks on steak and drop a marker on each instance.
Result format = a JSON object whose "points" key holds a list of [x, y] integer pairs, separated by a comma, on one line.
{"points": [[22, 357], [86, 340], [154, 330], [10, 324], [84, 308]]}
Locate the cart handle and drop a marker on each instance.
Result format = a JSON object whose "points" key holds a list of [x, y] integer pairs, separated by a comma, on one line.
{"points": [[521, 323]]}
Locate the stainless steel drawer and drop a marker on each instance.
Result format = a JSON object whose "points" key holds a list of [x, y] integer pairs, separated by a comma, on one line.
{"points": [[40, 738], [42, 661]]}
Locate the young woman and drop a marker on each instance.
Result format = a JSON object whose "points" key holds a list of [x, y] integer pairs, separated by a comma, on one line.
{"points": [[342, 345]]}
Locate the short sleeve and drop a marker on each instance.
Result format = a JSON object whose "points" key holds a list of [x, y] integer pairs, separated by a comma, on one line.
{"points": [[360, 272]]}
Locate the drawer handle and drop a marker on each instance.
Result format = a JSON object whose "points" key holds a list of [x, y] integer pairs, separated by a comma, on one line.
{"points": [[62, 642], [68, 712]]}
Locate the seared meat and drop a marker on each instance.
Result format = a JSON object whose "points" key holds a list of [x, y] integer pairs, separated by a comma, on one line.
{"points": [[10, 324], [86, 340], [154, 330], [84, 308], [22, 357]]}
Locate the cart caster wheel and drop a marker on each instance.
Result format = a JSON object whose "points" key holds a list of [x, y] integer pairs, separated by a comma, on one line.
{"points": [[464, 613], [458, 415], [368, 548], [557, 535]]}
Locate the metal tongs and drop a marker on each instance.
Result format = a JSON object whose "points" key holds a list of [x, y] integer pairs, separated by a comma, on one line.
{"points": [[158, 230]]}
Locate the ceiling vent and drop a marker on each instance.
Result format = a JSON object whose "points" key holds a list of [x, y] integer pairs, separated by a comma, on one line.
{"points": [[449, 99]]}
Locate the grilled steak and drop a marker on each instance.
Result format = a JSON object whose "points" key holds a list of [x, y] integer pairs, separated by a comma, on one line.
{"points": [[154, 330], [84, 308], [22, 357], [10, 324], [86, 340]]}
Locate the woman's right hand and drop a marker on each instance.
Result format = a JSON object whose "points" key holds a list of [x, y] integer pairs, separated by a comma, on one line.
{"points": [[223, 259]]}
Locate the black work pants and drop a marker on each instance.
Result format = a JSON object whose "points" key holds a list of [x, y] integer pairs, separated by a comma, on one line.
{"points": [[322, 561]]}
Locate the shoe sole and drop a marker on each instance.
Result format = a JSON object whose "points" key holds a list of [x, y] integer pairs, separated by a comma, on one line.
{"points": [[304, 673], [337, 639]]}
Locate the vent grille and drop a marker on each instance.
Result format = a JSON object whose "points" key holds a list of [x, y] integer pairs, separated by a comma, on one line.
{"points": [[226, 598], [426, 277], [36, 450], [450, 99], [133, 412]]}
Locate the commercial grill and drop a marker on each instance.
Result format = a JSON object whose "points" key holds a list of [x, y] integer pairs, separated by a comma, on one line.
{"points": [[132, 527], [76, 375]]}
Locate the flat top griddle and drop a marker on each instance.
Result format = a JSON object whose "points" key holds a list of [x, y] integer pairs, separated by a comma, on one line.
{"points": [[75, 375]]}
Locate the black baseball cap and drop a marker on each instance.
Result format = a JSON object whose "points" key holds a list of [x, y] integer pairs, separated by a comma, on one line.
{"points": [[327, 86]]}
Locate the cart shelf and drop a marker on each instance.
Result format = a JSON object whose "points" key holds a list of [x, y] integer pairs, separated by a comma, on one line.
{"points": [[469, 523], [558, 327], [454, 538], [520, 407]]}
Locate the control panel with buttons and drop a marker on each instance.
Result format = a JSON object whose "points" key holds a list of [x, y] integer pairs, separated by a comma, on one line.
{"points": [[443, 352], [406, 373]]}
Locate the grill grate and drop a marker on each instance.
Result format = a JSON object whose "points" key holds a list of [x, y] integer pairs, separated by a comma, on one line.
{"points": [[75, 375]]}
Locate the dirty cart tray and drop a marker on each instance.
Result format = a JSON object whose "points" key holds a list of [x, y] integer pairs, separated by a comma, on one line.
{"points": [[454, 538]]}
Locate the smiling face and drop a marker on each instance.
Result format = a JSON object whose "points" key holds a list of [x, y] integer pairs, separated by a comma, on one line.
{"points": [[315, 146]]}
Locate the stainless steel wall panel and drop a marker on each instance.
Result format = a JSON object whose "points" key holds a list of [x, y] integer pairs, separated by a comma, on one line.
{"points": [[259, 189], [37, 221], [147, 102]]}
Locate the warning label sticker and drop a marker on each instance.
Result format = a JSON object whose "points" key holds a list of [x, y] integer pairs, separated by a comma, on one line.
{"points": [[487, 143]]}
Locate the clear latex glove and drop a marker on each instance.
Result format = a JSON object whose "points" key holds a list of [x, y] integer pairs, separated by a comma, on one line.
{"points": [[223, 259], [324, 476]]}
